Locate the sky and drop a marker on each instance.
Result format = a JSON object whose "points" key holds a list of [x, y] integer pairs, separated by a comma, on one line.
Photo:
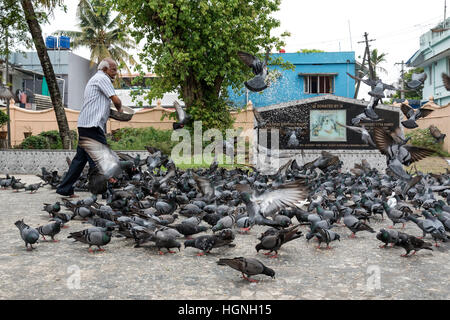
{"points": [[396, 26]]}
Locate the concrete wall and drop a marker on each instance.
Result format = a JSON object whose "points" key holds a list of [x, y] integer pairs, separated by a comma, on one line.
{"points": [[79, 74], [290, 86], [22, 120]]}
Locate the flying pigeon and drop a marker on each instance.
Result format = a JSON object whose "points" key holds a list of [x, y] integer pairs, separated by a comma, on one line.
{"points": [[259, 68], [183, 117], [417, 79], [365, 135], [413, 115], [437, 134], [247, 266], [446, 80], [107, 162], [28, 234]]}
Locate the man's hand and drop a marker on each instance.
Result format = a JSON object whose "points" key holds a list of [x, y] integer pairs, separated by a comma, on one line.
{"points": [[117, 103]]}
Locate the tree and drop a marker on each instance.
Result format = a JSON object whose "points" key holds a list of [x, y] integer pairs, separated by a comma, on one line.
{"points": [[413, 94], [13, 26], [101, 33], [192, 46], [376, 59], [309, 51], [32, 20]]}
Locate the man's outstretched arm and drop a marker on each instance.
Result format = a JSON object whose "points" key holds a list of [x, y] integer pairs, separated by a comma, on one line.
{"points": [[117, 103]]}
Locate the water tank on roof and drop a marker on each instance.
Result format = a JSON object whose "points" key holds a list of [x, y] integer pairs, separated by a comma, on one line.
{"points": [[64, 43], [51, 42]]}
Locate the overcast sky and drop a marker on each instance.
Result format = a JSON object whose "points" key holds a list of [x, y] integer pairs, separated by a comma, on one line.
{"points": [[327, 25]]}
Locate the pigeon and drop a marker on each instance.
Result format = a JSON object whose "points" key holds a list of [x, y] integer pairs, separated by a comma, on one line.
{"points": [[446, 80], [365, 136], [354, 225], [226, 222], [259, 68], [96, 237], [429, 226], [327, 236], [207, 242], [413, 115], [52, 209], [50, 229], [387, 236], [28, 234], [247, 266], [436, 134], [183, 117], [106, 161], [417, 80], [18, 185], [33, 187], [273, 240], [376, 93], [165, 240], [188, 229], [409, 242]]}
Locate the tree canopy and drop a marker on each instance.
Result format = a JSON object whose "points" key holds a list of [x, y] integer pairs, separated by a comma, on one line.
{"points": [[192, 46]]}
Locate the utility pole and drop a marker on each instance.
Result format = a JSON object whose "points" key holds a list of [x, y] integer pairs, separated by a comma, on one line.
{"points": [[366, 54], [402, 94], [7, 87]]}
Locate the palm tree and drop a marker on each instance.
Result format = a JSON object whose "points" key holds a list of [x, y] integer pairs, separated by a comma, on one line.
{"points": [[47, 68], [376, 59], [102, 34]]}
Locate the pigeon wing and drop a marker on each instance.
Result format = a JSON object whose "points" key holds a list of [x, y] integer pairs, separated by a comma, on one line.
{"points": [[180, 112], [446, 80], [356, 129], [246, 58], [287, 195], [418, 153], [425, 112], [204, 185], [407, 110], [105, 159], [382, 139]]}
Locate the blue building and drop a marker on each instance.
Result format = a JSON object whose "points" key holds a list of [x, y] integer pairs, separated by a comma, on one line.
{"points": [[315, 74], [434, 57]]}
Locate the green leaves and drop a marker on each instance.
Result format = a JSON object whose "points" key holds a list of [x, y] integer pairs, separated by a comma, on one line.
{"points": [[192, 46]]}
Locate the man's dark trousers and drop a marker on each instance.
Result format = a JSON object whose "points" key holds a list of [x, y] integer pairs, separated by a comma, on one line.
{"points": [[65, 188]]}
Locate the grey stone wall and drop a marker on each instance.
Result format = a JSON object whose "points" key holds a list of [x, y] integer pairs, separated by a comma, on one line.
{"points": [[31, 161]]}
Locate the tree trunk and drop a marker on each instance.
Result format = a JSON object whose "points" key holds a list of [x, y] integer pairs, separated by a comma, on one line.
{"points": [[47, 67]]}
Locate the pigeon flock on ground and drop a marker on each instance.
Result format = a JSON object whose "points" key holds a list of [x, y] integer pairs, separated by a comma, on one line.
{"points": [[152, 202]]}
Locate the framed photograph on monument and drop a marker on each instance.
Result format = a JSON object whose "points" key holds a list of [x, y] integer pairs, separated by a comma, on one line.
{"points": [[324, 127]]}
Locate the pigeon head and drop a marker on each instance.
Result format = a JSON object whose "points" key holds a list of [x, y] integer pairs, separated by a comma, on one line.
{"points": [[258, 247], [189, 243], [269, 272]]}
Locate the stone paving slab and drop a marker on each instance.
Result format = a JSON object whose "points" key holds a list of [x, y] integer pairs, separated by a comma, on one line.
{"points": [[348, 271]]}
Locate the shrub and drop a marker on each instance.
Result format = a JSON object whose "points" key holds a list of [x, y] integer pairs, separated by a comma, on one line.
{"points": [[423, 138], [138, 138], [35, 142], [47, 140], [3, 118]]}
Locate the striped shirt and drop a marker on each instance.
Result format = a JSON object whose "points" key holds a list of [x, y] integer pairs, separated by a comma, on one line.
{"points": [[96, 104]]}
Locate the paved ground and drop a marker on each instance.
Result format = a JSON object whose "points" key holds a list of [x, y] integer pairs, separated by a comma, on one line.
{"points": [[348, 271]]}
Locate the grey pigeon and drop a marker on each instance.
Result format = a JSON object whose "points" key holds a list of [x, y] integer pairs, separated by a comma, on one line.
{"points": [[183, 117], [226, 222], [365, 135], [409, 242], [417, 80], [50, 229], [412, 115], [28, 234], [327, 236], [387, 236], [207, 242], [259, 68], [93, 238], [247, 266]]}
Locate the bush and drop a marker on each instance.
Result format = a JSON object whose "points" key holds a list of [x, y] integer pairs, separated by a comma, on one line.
{"points": [[35, 142], [3, 118], [47, 140], [138, 138], [423, 138]]}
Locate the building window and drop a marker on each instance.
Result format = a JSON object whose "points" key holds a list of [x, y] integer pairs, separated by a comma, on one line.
{"points": [[318, 84]]}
